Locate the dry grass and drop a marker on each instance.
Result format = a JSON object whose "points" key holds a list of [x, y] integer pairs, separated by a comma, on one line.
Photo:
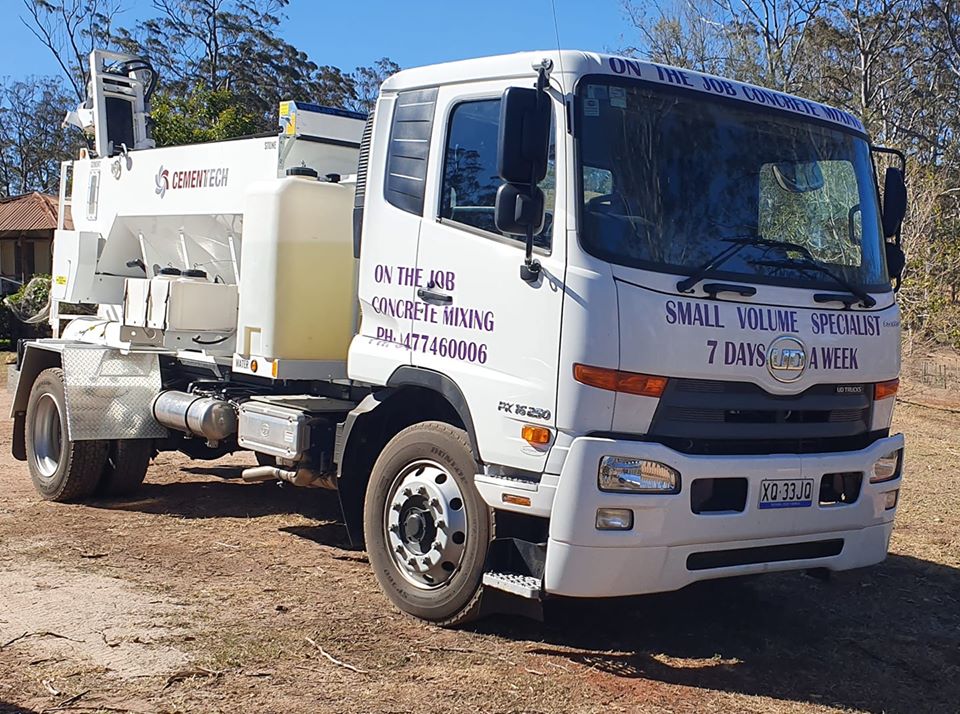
{"points": [[253, 570]]}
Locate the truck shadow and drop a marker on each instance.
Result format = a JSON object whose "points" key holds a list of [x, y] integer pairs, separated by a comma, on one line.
{"points": [[7, 708], [885, 639], [226, 497]]}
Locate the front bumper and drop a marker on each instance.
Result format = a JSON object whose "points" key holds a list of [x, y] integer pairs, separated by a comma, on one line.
{"points": [[655, 556]]}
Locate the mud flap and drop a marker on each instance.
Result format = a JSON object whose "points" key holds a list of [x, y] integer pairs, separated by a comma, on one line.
{"points": [[109, 394]]}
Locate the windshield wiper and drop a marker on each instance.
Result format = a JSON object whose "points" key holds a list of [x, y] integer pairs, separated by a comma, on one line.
{"points": [[809, 264], [737, 244]]}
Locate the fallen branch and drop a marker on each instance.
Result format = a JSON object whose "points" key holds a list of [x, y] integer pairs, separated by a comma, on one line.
{"points": [[45, 633], [462, 650], [950, 410], [336, 661], [103, 636], [188, 673], [65, 704]]}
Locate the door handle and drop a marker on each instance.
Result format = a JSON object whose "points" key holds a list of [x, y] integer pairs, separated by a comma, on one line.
{"points": [[434, 297]]}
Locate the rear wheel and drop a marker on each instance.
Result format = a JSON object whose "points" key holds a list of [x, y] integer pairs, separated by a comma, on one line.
{"points": [[125, 467], [427, 528], [62, 470]]}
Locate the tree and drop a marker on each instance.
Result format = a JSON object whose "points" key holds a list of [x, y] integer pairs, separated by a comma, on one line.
{"points": [[202, 115], [759, 41], [71, 30], [226, 51], [684, 33], [233, 45], [33, 141], [367, 81]]}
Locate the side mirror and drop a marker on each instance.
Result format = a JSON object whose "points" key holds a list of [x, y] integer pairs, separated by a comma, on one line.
{"points": [[518, 208], [523, 149], [896, 261], [894, 201], [524, 142]]}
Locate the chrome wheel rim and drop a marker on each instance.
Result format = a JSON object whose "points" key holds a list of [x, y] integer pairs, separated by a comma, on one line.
{"points": [[425, 524], [47, 436]]}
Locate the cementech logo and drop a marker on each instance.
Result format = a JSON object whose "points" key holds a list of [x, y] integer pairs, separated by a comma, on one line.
{"points": [[167, 180], [163, 182]]}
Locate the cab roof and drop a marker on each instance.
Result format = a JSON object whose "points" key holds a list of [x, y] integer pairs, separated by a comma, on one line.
{"points": [[571, 65]]}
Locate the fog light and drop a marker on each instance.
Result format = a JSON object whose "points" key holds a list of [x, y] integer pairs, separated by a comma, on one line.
{"points": [[890, 499], [619, 473], [614, 519], [887, 467]]}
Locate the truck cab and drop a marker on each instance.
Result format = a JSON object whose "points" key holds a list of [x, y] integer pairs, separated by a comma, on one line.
{"points": [[700, 381]]}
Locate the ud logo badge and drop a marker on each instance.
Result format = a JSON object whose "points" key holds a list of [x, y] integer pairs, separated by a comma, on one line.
{"points": [[786, 359]]}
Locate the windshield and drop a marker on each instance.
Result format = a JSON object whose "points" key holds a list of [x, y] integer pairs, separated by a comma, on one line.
{"points": [[669, 177]]}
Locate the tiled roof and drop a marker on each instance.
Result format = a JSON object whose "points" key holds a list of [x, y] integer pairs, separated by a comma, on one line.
{"points": [[30, 212]]}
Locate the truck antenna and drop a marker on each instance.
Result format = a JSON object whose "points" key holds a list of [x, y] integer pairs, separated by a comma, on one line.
{"points": [[556, 32]]}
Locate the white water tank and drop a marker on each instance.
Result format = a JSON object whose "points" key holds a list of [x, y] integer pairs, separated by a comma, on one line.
{"points": [[297, 289]]}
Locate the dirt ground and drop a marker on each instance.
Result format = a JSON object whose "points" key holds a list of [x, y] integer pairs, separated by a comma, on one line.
{"points": [[205, 594]]}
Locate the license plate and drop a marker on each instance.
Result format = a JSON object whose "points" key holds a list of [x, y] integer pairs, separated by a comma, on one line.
{"points": [[786, 493]]}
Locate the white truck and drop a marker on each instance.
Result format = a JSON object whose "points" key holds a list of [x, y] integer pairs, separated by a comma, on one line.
{"points": [[552, 323]]}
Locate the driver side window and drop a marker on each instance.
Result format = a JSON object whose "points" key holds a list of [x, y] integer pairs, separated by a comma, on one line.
{"points": [[470, 179]]}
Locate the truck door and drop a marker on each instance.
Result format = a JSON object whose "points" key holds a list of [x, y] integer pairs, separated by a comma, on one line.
{"points": [[400, 153], [496, 336]]}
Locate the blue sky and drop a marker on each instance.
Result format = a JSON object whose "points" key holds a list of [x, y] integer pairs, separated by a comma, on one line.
{"points": [[410, 32]]}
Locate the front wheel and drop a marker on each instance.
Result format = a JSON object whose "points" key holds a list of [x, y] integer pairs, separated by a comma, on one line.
{"points": [[62, 470], [427, 528]]}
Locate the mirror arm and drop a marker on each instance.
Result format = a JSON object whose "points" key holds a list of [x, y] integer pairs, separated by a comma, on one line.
{"points": [[530, 270], [892, 152], [902, 159]]}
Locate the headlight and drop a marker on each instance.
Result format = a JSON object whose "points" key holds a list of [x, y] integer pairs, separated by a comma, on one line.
{"points": [[887, 467], [637, 476]]}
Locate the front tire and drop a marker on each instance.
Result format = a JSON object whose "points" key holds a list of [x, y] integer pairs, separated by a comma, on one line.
{"points": [[427, 528], [61, 470]]}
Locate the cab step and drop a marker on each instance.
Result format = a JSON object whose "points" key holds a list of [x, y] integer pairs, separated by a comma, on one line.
{"points": [[525, 586]]}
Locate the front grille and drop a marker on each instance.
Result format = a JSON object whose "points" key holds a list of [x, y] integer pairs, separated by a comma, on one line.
{"points": [[732, 415], [710, 560], [699, 385], [766, 416], [746, 447]]}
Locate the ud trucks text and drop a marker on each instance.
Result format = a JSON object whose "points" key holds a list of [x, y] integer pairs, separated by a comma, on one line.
{"points": [[552, 323]]}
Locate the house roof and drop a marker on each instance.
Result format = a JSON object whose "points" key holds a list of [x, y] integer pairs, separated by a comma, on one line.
{"points": [[26, 213]]}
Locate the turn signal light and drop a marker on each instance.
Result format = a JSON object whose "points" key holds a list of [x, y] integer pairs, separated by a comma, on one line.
{"points": [[614, 380], [538, 435], [882, 390], [890, 500], [515, 500]]}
